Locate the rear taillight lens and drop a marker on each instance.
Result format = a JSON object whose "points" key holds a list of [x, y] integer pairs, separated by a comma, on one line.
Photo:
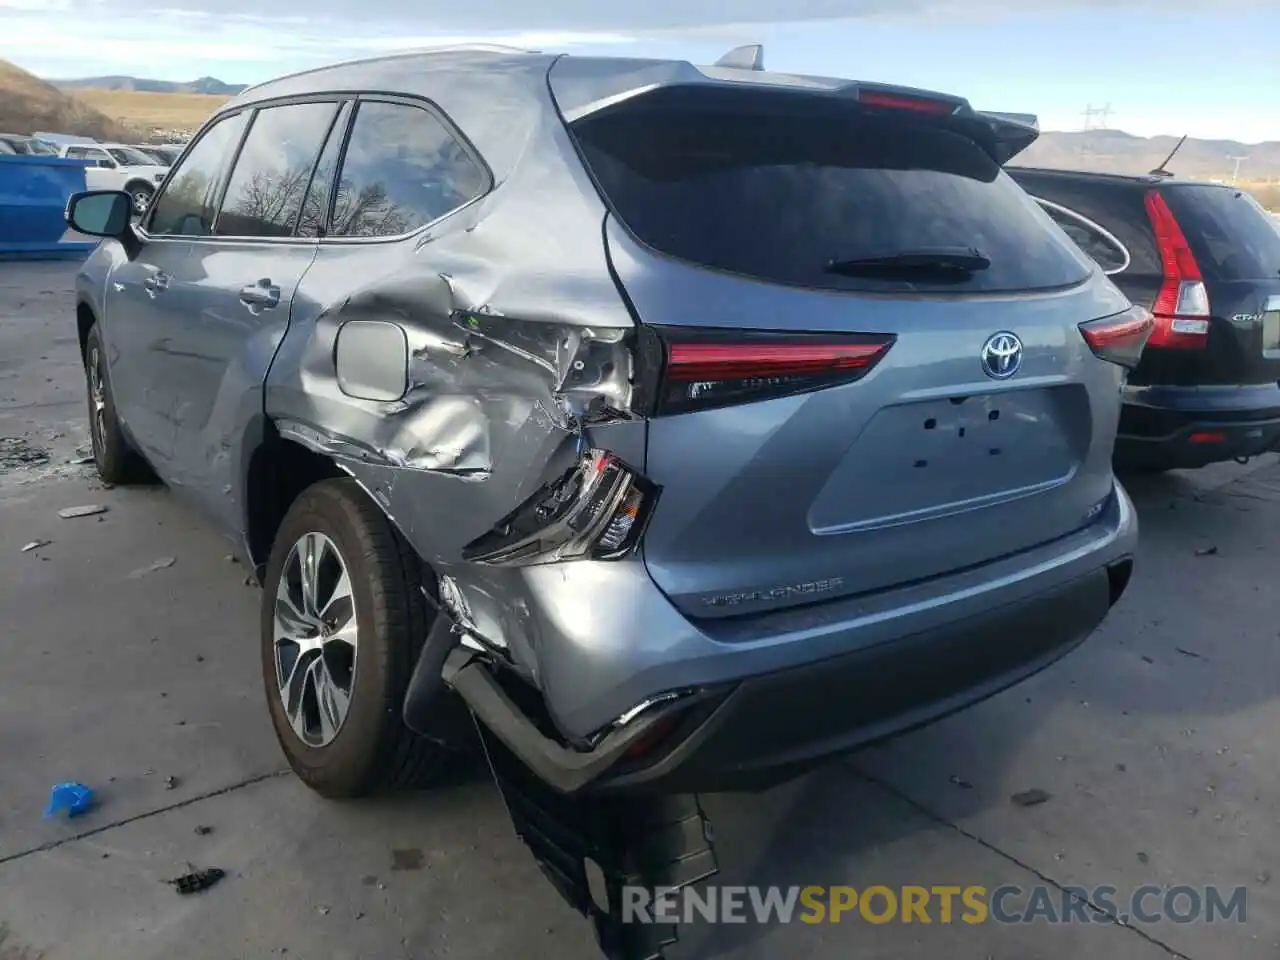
{"points": [[596, 510], [1121, 337], [898, 101], [684, 369], [1181, 309]]}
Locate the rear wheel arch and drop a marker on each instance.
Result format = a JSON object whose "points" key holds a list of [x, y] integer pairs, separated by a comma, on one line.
{"points": [[279, 471]]}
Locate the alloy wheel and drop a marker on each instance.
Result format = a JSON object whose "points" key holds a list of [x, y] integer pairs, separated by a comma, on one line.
{"points": [[316, 639], [98, 399]]}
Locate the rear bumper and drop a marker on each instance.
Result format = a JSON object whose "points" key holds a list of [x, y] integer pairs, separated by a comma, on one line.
{"points": [[1166, 428], [764, 727]]}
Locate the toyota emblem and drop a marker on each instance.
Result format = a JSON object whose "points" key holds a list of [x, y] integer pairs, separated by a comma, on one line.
{"points": [[1001, 355]]}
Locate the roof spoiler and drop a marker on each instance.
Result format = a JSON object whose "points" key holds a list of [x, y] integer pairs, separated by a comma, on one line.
{"points": [[1014, 132]]}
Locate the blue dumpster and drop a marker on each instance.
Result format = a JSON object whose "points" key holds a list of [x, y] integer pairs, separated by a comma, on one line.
{"points": [[33, 195]]}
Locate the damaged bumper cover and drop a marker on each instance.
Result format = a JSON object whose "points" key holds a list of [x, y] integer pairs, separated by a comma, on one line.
{"points": [[762, 727]]}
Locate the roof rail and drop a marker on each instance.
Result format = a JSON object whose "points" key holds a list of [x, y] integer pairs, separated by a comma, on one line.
{"points": [[395, 55], [748, 57]]}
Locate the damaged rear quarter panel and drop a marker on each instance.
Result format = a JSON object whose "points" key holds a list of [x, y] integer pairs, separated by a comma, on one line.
{"points": [[516, 341]]}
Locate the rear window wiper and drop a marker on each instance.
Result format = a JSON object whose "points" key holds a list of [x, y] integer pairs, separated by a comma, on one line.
{"points": [[958, 262]]}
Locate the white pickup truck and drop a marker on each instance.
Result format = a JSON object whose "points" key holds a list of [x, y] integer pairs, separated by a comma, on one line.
{"points": [[119, 167]]}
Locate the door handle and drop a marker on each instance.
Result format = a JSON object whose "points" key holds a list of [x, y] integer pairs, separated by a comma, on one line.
{"points": [[263, 294]]}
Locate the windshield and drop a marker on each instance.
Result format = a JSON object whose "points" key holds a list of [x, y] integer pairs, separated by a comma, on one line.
{"points": [[129, 157], [779, 189]]}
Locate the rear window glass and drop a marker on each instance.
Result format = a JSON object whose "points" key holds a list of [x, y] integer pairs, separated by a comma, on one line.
{"points": [[776, 188], [1229, 232]]}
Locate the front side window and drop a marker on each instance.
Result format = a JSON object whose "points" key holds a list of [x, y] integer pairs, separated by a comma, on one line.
{"points": [[187, 204], [403, 169], [264, 194], [1105, 251]]}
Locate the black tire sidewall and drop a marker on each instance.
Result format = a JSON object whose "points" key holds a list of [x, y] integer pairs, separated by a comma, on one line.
{"points": [[350, 763], [111, 454]]}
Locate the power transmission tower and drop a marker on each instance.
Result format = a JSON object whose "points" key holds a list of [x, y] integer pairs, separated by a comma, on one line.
{"points": [[1235, 174], [1095, 118]]}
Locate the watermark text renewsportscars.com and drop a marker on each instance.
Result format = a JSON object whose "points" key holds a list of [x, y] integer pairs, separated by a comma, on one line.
{"points": [[1007, 904]]}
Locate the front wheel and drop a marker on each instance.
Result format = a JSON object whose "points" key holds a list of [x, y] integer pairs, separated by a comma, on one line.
{"points": [[343, 621], [116, 460]]}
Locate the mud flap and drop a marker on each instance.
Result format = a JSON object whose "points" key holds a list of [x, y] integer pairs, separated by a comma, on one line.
{"points": [[591, 846]]}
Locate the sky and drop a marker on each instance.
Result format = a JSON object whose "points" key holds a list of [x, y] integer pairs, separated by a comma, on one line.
{"points": [[1166, 67]]}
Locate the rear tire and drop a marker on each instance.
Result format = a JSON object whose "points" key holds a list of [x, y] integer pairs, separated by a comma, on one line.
{"points": [[365, 659], [116, 460]]}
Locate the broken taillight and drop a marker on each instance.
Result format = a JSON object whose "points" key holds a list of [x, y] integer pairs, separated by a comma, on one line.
{"points": [[686, 369], [1121, 337], [596, 510], [1181, 308]]}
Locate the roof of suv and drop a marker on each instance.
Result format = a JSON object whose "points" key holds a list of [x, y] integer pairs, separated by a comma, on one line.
{"points": [[490, 90], [1145, 179]]}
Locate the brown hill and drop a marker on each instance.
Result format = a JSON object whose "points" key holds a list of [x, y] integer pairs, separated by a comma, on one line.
{"points": [[1114, 151], [28, 104]]}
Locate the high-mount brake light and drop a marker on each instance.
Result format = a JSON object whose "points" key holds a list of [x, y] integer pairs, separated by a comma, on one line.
{"points": [[897, 101], [1181, 308], [595, 510], [686, 369], [1120, 338]]}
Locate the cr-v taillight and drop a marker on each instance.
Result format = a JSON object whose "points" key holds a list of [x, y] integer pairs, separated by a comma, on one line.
{"points": [[596, 510], [1120, 337], [683, 369], [1181, 308]]}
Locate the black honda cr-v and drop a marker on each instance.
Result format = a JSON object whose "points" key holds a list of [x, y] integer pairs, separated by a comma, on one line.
{"points": [[1205, 259]]}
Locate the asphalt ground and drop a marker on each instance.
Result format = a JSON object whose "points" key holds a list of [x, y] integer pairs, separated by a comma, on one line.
{"points": [[1156, 743]]}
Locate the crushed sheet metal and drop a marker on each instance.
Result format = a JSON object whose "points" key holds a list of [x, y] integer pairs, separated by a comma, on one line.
{"points": [[484, 388]]}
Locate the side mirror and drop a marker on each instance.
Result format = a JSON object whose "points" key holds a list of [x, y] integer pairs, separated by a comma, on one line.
{"points": [[99, 213], [104, 162]]}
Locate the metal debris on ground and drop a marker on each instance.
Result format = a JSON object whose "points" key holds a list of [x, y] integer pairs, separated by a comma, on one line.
{"points": [[35, 545], [162, 564], [203, 830], [960, 782], [171, 783], [1206, 551], [1190, 653], [75, 798], [1030, 798], [88, 510], [197, 880], [81, 461], [19, 452]]}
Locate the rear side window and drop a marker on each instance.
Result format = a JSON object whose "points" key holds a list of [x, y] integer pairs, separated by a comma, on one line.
{"points": [[315, 208], [264, 194], [403, 168], [1105, 250], [776, 188], [1230, 233], [187, 203]]}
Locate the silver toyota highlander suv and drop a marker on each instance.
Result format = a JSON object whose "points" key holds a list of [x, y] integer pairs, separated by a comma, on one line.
{"points": [[686, 425]]}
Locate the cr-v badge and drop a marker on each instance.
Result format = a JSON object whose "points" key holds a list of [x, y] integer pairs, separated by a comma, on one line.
{"points": [[1001, 355]]}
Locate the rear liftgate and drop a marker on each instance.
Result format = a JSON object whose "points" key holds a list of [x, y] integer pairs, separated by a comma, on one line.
{"points": [[592, 845]]}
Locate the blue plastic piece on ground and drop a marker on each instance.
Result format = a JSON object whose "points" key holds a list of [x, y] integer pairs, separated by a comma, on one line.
{"points": [[75, 798]]}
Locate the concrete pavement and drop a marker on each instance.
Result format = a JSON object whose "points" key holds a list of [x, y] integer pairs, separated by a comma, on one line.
{"points": [[1155, 741]]}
